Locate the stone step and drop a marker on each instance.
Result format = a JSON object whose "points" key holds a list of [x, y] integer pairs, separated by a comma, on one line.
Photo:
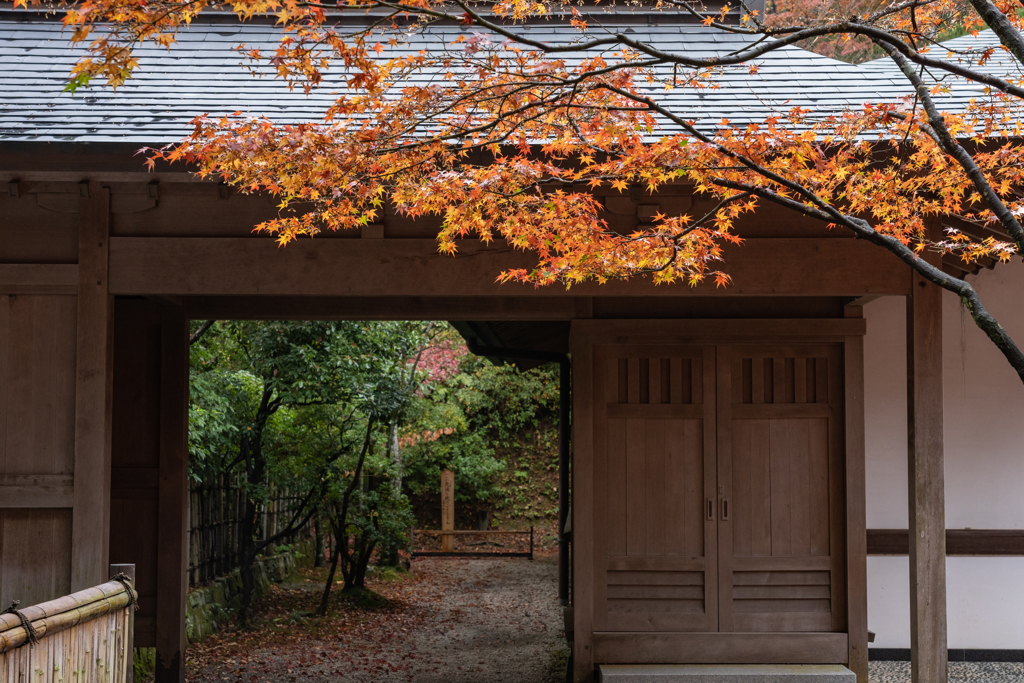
{"points": [[725, 673]]}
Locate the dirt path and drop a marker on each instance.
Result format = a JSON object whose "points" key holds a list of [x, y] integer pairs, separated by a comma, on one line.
{"points": [[451, 621]]}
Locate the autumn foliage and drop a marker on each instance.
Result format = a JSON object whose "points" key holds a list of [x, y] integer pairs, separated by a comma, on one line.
{"points": [[509, 135]]}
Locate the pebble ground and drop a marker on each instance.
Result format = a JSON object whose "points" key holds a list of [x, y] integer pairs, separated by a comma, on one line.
{"points": [[975, 672]]}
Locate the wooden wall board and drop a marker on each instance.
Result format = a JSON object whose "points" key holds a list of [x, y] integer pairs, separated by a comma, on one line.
{"points": [[93, 393], [710, 648], [37, 390], [36, 566], [32, 235], [689, 331], [246, 266]]}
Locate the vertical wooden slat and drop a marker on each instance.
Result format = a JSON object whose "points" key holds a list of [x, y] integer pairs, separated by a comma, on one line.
{"points": [[928, 655], [172, 553], [614, 485], [90, 536], [697, 381], [583, 507], [781, 489], [636, 487], [654, 381], [760, 489], [778, 380], [799, 475], [721, 486], [800, 380], [819, 487], [741, 488], [709, 430], [656, 497], [757, 381], [676, 379], [821, 380], [633, 381]]}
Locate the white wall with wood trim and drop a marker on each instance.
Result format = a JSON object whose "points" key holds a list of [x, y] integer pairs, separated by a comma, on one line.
{"points": [[984, 451]]}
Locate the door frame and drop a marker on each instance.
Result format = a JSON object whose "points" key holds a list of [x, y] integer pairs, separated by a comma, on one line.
{"points": [[592, 647]]}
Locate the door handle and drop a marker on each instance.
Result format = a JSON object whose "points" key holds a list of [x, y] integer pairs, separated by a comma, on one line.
{"points": [[725, 509], [710, 509]]}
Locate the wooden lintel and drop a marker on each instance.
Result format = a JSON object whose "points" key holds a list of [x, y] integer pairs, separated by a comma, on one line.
{"points": [[34, 278], [928, 654], [412, 267], [380, 308]]}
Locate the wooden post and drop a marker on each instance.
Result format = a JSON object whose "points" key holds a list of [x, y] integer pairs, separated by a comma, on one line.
{"points": [[90, 525], [172, 551], [129, 571], [582, 507], [928, 654], [856, 504], [447, 510]]}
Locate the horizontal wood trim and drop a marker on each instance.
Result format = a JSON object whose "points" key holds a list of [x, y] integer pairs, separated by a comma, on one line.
{"points": [[959, 542], [784, 621], [37, 278], [36, 496], [781, 564], [382, 308], [719, 331], [656, 411], [178, 266], [720, 648], [776, 411], [656, 564], [36, 491]]}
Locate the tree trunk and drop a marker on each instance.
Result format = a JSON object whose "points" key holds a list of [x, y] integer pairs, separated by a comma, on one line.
{"points": [[322, 611], [318, 553]]}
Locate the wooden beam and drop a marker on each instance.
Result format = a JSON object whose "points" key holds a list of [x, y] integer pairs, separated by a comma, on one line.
{"points": [[35, 278], [926, 480], [959, 542], [856, 507], [412, 267], [90, 528], [172, 531], [380, 308], [37, 496]]}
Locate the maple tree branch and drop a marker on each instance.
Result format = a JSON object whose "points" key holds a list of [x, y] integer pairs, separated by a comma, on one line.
{"points": [[1009, 36], [963, 289], [940, 133]]}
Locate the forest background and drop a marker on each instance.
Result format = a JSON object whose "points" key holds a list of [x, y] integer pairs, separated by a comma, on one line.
{"points": [[355, 421]]}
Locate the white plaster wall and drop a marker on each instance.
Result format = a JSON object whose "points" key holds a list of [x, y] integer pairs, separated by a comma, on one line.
{"points": [[984, 418]]}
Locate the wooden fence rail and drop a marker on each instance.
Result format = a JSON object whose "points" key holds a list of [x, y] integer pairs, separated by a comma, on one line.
{"points": [[84, 637]]}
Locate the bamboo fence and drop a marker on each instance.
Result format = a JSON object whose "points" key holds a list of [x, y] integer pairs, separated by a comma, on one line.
{"points": [[84, 637], [216, 507]]}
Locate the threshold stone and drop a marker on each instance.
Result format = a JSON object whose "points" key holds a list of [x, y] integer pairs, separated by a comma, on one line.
{"points": [[726, 673]]}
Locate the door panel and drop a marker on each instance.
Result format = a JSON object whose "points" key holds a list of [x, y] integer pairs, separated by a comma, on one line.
{"points": [[654, 473], [779, 469]]}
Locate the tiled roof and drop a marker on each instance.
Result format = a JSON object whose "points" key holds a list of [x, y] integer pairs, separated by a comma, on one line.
{"points": [[202, 74]]}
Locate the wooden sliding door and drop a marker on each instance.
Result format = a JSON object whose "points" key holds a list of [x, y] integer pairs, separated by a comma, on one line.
{"points": [[655, 489], [780, 473]]}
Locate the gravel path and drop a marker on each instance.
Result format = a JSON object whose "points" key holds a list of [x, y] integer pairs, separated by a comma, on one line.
{"points": [[975, 672], [459, 621]]}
